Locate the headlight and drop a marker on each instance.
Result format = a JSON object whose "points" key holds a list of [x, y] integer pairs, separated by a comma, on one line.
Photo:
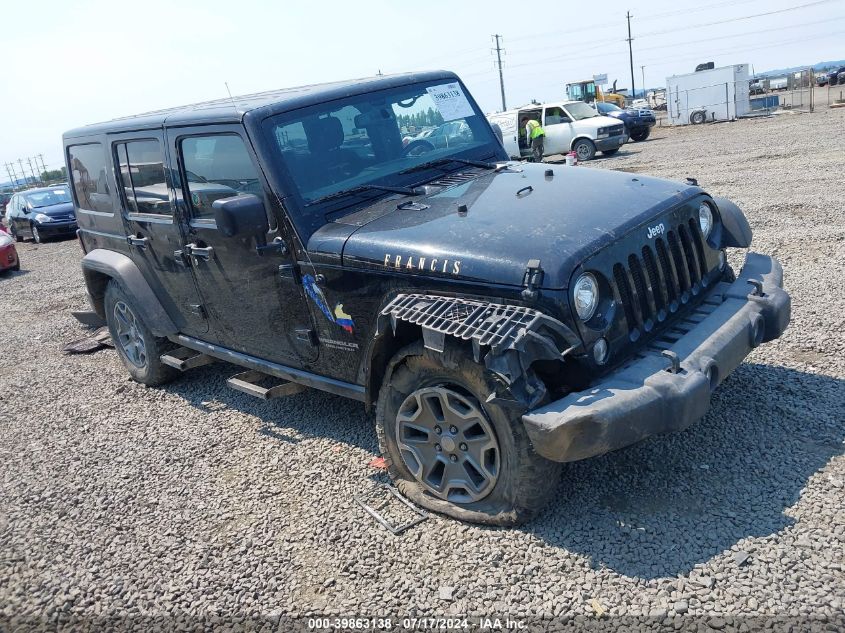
{"points": [[41, 218], [705, 219], [586, 296]]}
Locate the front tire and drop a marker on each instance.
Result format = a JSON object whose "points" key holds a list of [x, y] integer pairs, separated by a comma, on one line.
{"points": [[36, 236], [136, 345], [450, 451], [640, 135], [584, 149]]}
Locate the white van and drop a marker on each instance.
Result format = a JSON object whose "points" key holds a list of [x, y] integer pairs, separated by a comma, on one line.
{"points": [[569, 126]]}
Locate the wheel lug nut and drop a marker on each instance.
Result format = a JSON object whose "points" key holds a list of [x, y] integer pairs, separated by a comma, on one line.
{"points": [[438, 448], [454, 458], [453, 429], [463, 446], [438, 430]]}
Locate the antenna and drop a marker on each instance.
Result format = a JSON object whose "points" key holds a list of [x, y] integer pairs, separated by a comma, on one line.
{"points": [[231, 98]]}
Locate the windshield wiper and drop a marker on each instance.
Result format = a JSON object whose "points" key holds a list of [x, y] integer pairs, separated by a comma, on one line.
{"points": [[444, 161], [408, 191]]}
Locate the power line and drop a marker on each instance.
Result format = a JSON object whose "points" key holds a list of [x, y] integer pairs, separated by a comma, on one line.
{"points": [[745, 17], [501, 77], [706, 7]]}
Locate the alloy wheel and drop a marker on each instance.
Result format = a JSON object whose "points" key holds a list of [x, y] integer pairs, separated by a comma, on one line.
{"points": [[448, 444], [36, 235], [129, 336]]}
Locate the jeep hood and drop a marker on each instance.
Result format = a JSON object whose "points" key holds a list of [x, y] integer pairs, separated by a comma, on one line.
{"points": [[511, 217]]}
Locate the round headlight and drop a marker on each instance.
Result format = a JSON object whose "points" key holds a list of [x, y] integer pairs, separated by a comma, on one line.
{"points": [[586, 296], [705, 219]]}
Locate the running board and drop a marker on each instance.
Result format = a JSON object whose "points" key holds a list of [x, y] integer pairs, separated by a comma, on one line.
{"points": [[248, 383], [184, 359]]}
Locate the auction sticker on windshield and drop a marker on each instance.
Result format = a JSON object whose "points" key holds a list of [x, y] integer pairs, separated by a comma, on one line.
{"points": [[450, 101]]}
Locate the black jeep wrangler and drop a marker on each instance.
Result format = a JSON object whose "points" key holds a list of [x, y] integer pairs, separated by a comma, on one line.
{"points": [[501, 317]]}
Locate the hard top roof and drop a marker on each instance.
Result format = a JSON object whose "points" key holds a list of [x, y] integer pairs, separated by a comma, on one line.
{"points": [[232, 110]]}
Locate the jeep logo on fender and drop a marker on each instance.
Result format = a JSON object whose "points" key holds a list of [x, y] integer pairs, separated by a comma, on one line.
{"points": [[654, 231]]}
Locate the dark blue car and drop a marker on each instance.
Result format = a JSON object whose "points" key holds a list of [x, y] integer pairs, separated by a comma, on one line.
{"points": [[638, 123], [41, 214]]}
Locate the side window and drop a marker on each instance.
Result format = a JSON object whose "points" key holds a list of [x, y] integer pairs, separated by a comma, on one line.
{"points": [[216, 167], [141, 175], [555, 115], [89, 177]]}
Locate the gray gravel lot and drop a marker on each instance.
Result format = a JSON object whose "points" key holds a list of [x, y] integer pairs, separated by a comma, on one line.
{"points": [[194, 501]]}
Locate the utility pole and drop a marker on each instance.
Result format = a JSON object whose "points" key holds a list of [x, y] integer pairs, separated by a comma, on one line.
{"points": [[642, 68], [11, 172], [501, 77], [32, 171], [23, 173], [631, 54], [43, 166]]}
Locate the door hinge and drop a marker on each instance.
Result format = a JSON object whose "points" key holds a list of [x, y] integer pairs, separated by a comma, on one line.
{"points": [[290, 271], [306, 335]]}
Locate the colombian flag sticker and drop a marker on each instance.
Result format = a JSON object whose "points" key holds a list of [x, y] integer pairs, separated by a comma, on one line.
{"points": [[342, 319]]}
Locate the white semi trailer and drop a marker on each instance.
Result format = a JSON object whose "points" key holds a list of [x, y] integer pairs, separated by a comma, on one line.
{"points": [[719, 94]]}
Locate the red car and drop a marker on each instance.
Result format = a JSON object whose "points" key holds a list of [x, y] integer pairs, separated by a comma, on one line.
{"points": [[8, 254]]}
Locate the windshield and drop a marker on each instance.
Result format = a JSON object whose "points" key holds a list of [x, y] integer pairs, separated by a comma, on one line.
{"points": [[579, 111], [47, 197], [376, 139], [604, 108]]}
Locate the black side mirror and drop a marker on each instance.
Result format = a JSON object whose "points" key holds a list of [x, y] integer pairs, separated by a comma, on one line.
{"points": [[241, 215]]}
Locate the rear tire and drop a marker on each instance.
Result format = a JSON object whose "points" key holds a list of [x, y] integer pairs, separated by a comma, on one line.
{"points": [[697, 118], [473, 460], [584, 149], [14, 234], [136, 345]]}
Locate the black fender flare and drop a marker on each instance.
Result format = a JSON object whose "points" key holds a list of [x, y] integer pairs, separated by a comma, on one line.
{"points": [[733, 229], [101, 265]]}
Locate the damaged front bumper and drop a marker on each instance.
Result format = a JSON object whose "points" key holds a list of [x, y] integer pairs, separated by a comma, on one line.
{"points": [[668, 391]]}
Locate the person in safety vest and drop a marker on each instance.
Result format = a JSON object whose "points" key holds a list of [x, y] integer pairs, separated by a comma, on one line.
{"points": [[536, 136]]}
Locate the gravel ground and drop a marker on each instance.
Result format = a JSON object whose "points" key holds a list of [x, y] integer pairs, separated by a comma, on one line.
{"points": [[194, 502]]}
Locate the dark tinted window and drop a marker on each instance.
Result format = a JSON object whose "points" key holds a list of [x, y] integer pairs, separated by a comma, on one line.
{"points": [[89, 177], [217, 167], [142, 177]]}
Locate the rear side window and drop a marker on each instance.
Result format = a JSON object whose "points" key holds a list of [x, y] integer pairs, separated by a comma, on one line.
{"points": [[217, 167], [142, 177], [90, 178]]}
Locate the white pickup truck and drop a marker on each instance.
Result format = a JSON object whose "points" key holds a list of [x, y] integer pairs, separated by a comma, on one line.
{"points": [[569, 126]]}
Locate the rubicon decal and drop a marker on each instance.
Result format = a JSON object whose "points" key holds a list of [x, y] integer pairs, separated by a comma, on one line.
{"points": [[423, 264]]}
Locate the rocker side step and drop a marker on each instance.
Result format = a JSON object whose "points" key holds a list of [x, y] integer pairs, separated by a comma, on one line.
{"points": [[248, 383], [184, 358]]}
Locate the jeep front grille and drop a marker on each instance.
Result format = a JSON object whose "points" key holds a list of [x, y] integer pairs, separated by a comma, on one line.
{"points": [[656, 281]]}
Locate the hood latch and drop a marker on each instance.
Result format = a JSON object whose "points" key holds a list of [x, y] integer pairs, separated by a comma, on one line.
{"points": [[532, 280]]}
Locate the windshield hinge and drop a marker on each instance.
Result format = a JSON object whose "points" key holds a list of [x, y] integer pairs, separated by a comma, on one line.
{"points": [[532, 280]]}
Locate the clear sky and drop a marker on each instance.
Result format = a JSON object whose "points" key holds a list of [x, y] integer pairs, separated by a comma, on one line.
{"points": [[76, 62]]}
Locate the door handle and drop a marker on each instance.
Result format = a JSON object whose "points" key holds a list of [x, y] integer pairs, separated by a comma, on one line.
{"points": [[138, 240], [200, 252]]}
